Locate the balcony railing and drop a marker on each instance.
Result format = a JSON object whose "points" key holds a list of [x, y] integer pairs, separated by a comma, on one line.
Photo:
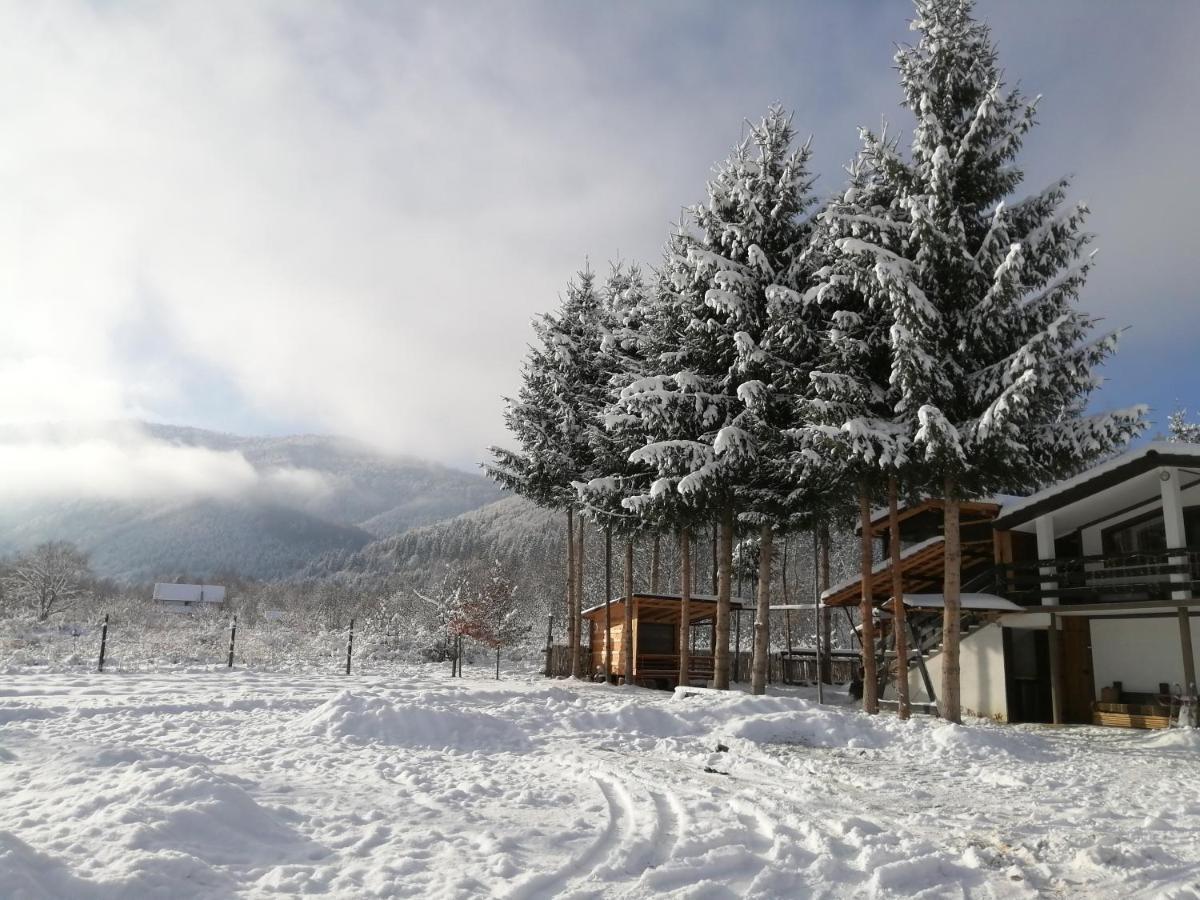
{"points": [[1100, 579]]}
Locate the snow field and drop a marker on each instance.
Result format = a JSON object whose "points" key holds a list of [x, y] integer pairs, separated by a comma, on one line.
{"points": [[216, 784]]}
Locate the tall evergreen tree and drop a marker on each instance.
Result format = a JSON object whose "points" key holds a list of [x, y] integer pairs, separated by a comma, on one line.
{"points": [[707, 410], [991, 361], [564, 387]]}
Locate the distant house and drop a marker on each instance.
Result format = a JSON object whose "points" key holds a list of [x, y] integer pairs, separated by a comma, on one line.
{"points": [[189, 597]]}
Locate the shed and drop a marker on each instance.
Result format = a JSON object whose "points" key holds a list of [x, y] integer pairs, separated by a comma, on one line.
{"points": [[188, 597]]}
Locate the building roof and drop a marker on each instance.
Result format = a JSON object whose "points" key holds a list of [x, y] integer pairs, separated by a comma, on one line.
{"points": [[1098, 478], [190, 593], [734, 602]]}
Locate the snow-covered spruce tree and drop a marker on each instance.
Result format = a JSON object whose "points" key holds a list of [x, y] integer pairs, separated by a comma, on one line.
{"points": [[564, 387], [849, 436], [706, 409], [1183, 430], [624, 351], [991, 360]]}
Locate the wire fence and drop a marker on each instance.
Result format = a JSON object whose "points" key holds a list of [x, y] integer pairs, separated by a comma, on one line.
{"points": [[202, 640]]}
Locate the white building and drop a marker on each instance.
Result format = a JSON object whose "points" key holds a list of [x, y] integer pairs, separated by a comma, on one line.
{"points": [[1081, 602], [189, 597]]}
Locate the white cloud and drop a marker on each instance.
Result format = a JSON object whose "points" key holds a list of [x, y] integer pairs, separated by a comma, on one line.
{"points": [[123, 463]]}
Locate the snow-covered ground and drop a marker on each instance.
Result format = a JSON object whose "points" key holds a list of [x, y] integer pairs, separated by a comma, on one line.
{"points": [[249, 784]]}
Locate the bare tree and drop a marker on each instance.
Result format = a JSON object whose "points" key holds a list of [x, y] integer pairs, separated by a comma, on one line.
{"points": [[49, 578]]}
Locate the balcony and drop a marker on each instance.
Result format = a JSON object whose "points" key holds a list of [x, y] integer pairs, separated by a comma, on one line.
{"points": [[1108, 578]]}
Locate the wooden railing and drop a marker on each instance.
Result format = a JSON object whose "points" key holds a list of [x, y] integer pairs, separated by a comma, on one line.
{"points": [[1099, 579], [668, 664]]}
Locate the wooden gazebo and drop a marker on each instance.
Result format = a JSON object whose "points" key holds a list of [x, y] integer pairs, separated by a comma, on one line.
{"points": [[656, 627]]}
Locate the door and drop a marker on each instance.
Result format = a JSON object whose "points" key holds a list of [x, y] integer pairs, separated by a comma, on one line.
{"points": [[1027, 675], [1078, 683]]}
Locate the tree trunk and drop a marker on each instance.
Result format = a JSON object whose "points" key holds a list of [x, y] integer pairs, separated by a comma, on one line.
{"points": [[608, 660], [724, 571], [762, 618], [627, 632], [899, 613], [572, 637], [714, 558], [654, 564], [685, 603], [826, 617], [867, 605], [949, 701], [577, 666]]}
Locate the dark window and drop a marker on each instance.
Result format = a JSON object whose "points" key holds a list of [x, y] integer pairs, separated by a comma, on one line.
{"points": [[1146, 534], [655, 637]]}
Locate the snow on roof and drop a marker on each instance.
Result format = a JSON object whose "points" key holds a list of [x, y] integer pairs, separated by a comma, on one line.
{"points": [[882, 565], [1154, 448], [967, 601], [190, 593], [734, 602]]}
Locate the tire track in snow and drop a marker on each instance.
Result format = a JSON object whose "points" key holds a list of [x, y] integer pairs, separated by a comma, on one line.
{"points": [[580, 868]]}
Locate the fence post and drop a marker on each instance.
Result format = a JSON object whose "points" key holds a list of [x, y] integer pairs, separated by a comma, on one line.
{"points": [[103, 643], [549, 641], [232, 638], [349, 646]]}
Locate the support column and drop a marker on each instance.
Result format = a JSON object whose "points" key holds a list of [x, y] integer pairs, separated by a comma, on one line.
{"points": [[1045, 549], [1168, 479], [1189, 663], [1056, 679]]}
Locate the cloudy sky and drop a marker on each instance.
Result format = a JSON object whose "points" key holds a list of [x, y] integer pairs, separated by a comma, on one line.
{"points": [[267, 217]]}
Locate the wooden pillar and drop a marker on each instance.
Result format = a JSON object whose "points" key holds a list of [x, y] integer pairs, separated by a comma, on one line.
{"points": [[899, 613], [572, 637], [724, 565], [685, 605], [1056, 674], [655, 550], [628, 634], [577, 667], [762, 618], [866, 605], [608, 660]]}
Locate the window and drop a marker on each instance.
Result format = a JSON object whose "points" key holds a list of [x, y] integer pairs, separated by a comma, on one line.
{"points": [[656, 637], [1147, 534]]}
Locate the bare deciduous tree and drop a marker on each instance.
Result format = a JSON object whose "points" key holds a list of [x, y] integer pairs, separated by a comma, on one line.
{"points": [[49, 578]]}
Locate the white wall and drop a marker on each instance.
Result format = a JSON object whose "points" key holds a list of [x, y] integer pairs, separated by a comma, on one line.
{"points": [[1139, 653], [981, 673]]}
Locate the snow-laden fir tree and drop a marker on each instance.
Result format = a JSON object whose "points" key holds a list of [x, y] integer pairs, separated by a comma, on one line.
{"points": [[626, 347], [707, 408], [849, 442], [564, 387], [1181, 429], [991, 361]]}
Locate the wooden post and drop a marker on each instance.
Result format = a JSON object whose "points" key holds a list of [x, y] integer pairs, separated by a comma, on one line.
{"points": [[627, 641], [608, 662], [950, 704], [549, 641], [724, 573], [1189, 664], [826, 618], [866, 605], [572, 637], [899, 613], [737, 656], [349, 646], [103, 643], [1056, 673], [655, 562], [232, 637], [685, 605], [817, 618], [762, 616], [577, 613], [716, 575]]}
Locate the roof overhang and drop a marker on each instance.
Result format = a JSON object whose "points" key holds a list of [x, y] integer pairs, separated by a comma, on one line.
{"points": [[1109, 476]]}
